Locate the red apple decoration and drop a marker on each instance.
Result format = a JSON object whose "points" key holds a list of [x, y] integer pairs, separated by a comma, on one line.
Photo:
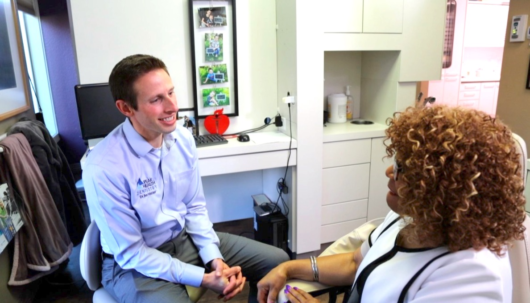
{"points": [[217, 123]]}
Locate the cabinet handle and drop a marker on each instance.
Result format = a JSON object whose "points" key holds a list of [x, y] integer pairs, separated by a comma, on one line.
{"points": [[469, 86]]}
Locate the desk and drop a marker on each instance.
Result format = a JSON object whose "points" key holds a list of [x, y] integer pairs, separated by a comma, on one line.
{"points": [[232, 172], [264, 151]]}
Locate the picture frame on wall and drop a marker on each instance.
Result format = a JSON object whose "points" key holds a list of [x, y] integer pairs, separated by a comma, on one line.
{"points": [[186, 118], [528, 77], [14, 91], [214, 57]]}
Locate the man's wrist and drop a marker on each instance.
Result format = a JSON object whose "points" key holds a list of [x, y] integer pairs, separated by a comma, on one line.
{"points": [[209, 264]]}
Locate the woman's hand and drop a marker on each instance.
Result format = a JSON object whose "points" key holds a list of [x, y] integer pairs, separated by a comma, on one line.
{"points": [[296, 295], [270, 285]]}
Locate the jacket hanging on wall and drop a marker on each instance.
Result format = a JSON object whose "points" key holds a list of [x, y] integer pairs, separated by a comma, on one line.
{"points": [[57, 174], [42, 243]]}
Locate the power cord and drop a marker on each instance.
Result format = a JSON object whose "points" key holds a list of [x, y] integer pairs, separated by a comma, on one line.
{"points": [[267, 122], [281, 187]]}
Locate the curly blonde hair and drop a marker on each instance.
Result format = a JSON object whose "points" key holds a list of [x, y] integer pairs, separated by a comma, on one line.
{"points": [[461, 176]]}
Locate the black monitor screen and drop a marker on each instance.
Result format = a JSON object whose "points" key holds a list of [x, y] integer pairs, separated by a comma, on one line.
{"points": [[97, 111]]}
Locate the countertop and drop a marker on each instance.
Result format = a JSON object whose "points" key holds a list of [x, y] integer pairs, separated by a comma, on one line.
{"points": [[347, 131], [479, 79]]}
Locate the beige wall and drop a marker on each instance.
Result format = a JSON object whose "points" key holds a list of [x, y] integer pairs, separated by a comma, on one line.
{"points": [[513, 106]]}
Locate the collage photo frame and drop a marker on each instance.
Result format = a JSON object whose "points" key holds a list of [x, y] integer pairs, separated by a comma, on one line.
{"points": [[214, 57]]}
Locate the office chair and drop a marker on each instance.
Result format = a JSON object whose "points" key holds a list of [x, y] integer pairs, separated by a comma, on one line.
{"points": [[519, 253], [90, 265]]}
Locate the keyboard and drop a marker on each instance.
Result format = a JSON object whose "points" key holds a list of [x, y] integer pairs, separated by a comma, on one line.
{"points": [[209, 140]]}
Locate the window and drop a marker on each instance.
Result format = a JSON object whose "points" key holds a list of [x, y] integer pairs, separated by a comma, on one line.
{"points": [[37, 69]]}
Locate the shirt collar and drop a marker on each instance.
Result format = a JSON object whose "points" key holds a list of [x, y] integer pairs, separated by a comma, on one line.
{"points": [[140, 146]]}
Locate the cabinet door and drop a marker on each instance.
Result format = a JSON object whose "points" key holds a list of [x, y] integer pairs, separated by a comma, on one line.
{"points": [[470, 87], [471, 95], [343, 16], [485, 25], [488, 98], [383, 16], [345, 183], [451, 85]]}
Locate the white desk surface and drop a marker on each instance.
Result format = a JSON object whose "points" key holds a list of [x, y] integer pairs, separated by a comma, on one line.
{"points": [[259, 143], [347, 131], [264, 150]]}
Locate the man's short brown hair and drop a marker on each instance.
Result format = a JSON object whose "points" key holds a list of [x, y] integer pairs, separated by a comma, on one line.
{"points": [[127, 71]]}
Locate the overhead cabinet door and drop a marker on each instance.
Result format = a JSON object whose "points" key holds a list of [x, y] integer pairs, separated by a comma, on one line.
{"points": [[383, 16], [343, 16]]}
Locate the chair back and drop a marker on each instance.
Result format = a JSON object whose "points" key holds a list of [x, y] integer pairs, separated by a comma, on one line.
{"points": [[520, 262], [521, 148], [519, 253], [90, 265], [90, 257]]}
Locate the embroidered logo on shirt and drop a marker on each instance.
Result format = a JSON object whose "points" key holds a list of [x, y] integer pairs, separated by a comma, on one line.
{"points": [[145, 187]]}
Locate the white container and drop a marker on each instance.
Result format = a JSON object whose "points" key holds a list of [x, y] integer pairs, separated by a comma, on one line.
{"points": [[337, 108]]}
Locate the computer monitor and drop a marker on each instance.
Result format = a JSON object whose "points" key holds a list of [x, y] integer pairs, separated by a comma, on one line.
{"points": [[97, 111]]}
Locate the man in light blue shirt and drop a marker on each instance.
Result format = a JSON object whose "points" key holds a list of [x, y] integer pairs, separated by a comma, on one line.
{"points": [[145, 193]]}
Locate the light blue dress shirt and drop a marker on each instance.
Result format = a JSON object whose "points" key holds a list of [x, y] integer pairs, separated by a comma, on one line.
{"points": [[142, 197]]}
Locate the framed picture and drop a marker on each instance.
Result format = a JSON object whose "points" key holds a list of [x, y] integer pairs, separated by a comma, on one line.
{"points": [[214, 56], [213, 47], [14, 91], [528, 77], [186, 118], [212, 16], [213, 74], [215, 97]]}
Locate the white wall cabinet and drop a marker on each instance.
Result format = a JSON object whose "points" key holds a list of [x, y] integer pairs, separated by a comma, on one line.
{"points": [[353, 184], [343, 16], [479, 95], [486, 25], [489, 93], [368, 16], [383, 16], [400, 42]]}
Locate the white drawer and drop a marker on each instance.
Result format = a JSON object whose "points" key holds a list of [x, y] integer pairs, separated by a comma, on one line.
{"points": [[470, 95], [489, 85], [469, 103], [346, 211], [332, 232], [469, 86], [346, 153], [345, 183]]}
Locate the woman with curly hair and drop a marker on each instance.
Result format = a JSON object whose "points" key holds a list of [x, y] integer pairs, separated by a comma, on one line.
{"points": [[456, 195]]}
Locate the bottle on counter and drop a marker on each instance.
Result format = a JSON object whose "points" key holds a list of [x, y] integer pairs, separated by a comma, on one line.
{"points": [[349, 104]]}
